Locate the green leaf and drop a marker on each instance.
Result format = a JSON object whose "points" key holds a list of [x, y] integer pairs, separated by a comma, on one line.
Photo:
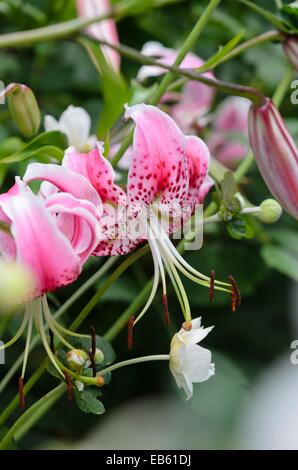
{"points": [[45, 147], [221, 53], [239, 227], [282, 259], [278, 22], [114, 88], [88, 403], [286, 237], [10, 145]]}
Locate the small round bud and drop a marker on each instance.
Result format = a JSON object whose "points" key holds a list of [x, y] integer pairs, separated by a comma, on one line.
{"points": [[100, 381], [23, 108], [76, 359], [270, 211], [187, 325], [98, 356]]}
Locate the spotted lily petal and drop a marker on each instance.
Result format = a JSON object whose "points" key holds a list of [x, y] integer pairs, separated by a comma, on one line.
{"points": [[158, 163], [98, 170], [64, 179]]}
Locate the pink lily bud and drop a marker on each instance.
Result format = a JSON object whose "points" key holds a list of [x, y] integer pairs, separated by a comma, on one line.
{"points": [[102, 30], [276, 154], [290, 46]]}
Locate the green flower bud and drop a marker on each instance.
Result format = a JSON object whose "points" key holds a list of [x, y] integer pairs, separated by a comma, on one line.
{"points": [[76, 359], [23, 108], [98, 356], [270, 211]]}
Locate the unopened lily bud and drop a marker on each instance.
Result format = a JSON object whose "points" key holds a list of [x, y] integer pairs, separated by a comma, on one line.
{"points": [[23, 108], [290, 46], [98, 356], [275, 153], [76, 359], [270, 211]]}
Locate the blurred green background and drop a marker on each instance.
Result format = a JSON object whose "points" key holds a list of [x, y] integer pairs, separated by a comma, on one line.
{"points": [[249, 403]]}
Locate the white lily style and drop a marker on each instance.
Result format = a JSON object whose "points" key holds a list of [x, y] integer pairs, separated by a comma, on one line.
{"points": [[75, 123], [190, 363]]}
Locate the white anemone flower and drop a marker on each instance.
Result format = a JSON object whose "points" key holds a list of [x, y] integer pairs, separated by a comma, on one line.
{"points": [[75, 123], [190, 363]]}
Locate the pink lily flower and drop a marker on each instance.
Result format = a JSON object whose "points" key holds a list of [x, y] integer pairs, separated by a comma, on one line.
{"points": [[103, 30], [52, 239], [195, 99], [228, 140], [167, 177], [276, 154]]}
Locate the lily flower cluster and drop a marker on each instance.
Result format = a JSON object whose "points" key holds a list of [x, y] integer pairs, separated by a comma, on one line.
{"points": [[80, 212]]}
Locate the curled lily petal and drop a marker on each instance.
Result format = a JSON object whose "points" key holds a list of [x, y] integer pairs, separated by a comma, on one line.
{"points": [[77, 219], [198, 163], [40, 246], [65, 180], [98, 170]]}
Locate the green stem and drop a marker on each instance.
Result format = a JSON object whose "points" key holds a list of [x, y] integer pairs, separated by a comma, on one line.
{"points": [[188, 44], [232, 88], [283, 87], [31, 416], [49, 33], [256, 41], [261, 39], [136, 360]]}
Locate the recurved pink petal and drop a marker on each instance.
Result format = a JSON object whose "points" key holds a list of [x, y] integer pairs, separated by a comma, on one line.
{"points": [[98, 171], [64, 179], [102, 30], [158, 162], [78, 221], [7, 244], [40, 245], [198, 163]]}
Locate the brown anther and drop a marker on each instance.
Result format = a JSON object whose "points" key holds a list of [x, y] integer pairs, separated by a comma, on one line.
{"points": [[69, 386], [21, 393], [52, 341], [187, 325], [211, 290], [130, 331], [93, 365], [166, 309], [235, 294], [100, 381], [93, 340]]}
